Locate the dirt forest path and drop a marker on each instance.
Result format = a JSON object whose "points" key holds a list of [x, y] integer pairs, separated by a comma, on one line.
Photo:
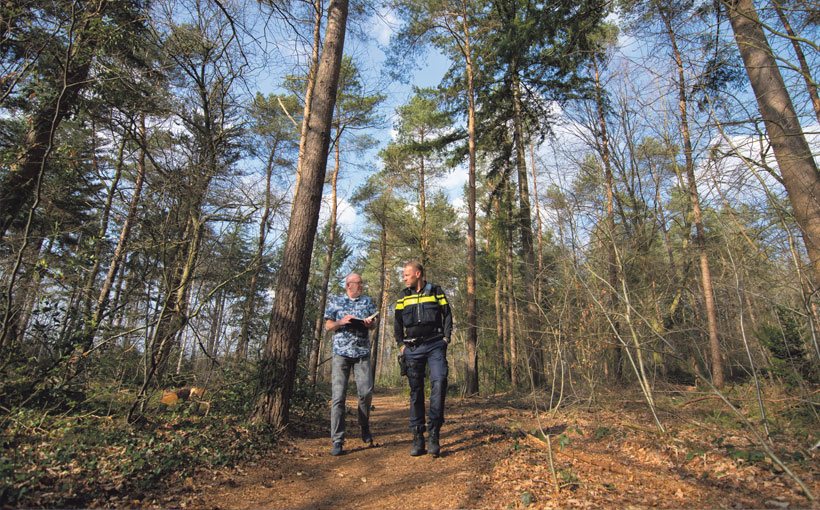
{"points": [[492, 457], [384, 476]]}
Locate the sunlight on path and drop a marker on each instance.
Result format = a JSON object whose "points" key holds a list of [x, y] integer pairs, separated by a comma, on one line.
{"points": [[305, 475]]}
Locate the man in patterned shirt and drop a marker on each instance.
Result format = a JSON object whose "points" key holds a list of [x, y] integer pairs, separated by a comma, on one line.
{"points": [[349, 316]]}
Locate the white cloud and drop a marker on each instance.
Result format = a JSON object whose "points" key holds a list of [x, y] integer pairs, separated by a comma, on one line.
{"points": [[738, 174], [383, 26], [346, 215], [453, 183]]}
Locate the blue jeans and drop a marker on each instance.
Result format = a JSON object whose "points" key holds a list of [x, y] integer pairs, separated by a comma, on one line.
{"points": [[434, 355], [364, 384]]}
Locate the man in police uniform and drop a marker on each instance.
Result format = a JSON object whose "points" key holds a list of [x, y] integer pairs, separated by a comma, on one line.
{"points": [[423, 324], [349, 316]]}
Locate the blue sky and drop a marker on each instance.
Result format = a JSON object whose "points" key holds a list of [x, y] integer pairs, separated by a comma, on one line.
{"points": [[370, 57]]}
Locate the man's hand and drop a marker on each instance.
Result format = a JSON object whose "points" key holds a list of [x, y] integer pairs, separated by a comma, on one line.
{"points": [[370, 323], [402, 348], [331, 325]]}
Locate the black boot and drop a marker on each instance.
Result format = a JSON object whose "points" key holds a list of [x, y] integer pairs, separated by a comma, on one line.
{"points": [[367, 437], [418, 441], [433, 447]]}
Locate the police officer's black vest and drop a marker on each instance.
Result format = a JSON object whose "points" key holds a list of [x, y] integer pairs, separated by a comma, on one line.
{"points": [[422, 314]]}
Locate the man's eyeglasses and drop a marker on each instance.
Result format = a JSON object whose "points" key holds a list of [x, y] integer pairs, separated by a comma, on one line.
{"points": [[356, 283]]}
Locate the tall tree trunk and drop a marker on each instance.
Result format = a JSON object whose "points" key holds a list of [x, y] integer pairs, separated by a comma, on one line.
{"points": [[378, 335], [792, 152], [500, 329], [472, 310], [385, 283], [278, 367], [250, 302], [20, 183], [539, 268], [535, 354], [700, 240], [612, 262], [115, 303], [423, 210], [515, 377], [384, 306], [122, 244], [318, 333], [805, 71], [309, 89]]}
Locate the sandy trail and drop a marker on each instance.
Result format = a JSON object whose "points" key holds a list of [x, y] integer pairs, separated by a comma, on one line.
{"points": [[305, 475]]}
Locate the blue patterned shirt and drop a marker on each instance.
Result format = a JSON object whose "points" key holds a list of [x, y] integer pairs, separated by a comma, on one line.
{"points": [[350, 340]]}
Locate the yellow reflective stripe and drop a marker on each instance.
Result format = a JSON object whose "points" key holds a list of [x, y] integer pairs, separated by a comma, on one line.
{"points": [[418, 298], [414, 300]]}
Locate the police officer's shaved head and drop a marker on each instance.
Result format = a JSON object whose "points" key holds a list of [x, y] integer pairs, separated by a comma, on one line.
{"points": [[416, 266]]}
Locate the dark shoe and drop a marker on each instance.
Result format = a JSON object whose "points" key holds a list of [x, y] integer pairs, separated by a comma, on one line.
{"points": [[418, 442], [337, 449], [433, 447], [367, 437]]}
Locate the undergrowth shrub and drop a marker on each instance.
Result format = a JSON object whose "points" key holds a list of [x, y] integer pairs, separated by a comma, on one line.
{"points": [[786, 340], [82, 452]]}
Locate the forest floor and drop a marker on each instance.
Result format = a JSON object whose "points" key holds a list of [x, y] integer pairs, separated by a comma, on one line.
{"points": [[494, 456]]}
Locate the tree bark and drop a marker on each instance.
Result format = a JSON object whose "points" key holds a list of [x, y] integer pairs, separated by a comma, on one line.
{"points": [[99, 239], [515, 377], [791, 150], [244, 332], [612, 262], [122, 244], [527, 246], [472, 310], [278, 367], [20, 183], [385, 285], [801, 59], [318, 333], [309, 89], [539, 268], [423, 209], [697, 214], [500, 329]]}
